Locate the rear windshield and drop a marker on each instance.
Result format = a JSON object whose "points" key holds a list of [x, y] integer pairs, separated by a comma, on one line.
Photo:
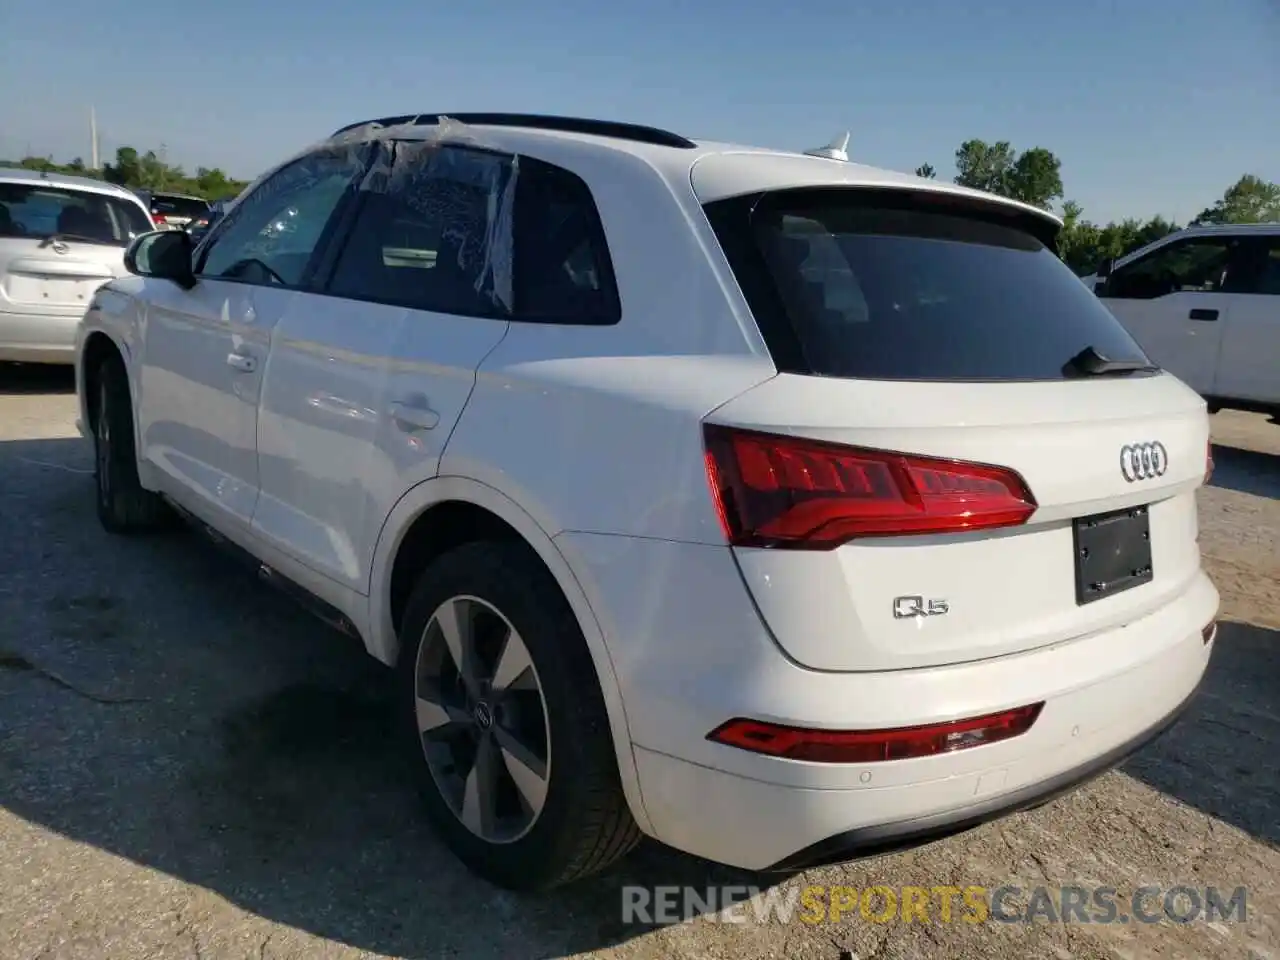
{"points": [[39, 212], [851, 284], [164, 206]]}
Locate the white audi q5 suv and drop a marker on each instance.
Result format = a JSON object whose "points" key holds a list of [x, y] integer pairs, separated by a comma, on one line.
{"points": [[777, 507]]}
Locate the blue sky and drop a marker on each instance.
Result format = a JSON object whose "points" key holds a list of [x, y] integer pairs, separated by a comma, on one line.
{"points": [[1154, 106]]}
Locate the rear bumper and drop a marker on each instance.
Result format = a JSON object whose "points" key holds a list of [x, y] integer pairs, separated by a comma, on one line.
{"points": [[690, 652], [43, 336], [898, 834]]}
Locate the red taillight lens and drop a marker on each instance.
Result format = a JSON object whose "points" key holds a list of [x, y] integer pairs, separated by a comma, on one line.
{"points": [[873, 746], [778, 491]]}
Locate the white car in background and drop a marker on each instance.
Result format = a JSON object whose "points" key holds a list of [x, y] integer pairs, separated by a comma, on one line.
{"points": [[1204, 303], [775, 506], [61, 237]]}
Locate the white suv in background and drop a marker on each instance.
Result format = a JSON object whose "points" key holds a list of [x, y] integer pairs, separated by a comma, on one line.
{"points": [[778, 507], [1204, 303], [61, 237]]}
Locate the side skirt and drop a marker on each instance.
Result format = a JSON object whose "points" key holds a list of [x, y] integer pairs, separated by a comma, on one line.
{"points": [[299, 594]]}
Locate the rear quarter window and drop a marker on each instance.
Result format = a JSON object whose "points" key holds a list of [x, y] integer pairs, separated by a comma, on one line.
{"points": [[845, 283], [563, 272]]}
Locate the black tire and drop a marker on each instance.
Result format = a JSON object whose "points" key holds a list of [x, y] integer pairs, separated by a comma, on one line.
{"points": [[585, 823], [124, 507]]}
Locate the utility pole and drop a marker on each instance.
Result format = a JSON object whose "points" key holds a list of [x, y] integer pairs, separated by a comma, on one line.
{"points": [[93, 138]]}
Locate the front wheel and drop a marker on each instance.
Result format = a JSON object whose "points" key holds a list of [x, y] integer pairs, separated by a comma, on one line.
{"points": [[123, 505], [506, 722]]}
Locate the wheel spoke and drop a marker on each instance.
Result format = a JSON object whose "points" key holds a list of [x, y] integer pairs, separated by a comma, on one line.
{"points": [[480, 790], [434, 714], [527, 771], [455, 627], [513, 662]]}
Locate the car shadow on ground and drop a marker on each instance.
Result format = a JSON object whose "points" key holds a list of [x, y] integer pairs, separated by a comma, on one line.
{"points": [[261, 764], [1246, 471], [1221, 757]]}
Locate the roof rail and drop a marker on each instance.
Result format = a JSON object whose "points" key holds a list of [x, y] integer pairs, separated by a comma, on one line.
{"points": [[538, 121]]}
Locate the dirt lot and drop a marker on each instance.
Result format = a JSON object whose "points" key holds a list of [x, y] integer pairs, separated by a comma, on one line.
{"points": [[248, 806]]}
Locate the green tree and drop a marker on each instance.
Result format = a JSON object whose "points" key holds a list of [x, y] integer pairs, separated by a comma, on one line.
{"points": [[1034, 176], [1083, 245], [145, 170], [215, 183], [126, 170], [43, 164], [1078, 239], [152, 172], [1249, 200], [984, 166], [926, 170]]}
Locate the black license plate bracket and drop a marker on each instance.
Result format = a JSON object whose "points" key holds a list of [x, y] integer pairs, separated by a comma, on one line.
{"points": [[1113, 553]]}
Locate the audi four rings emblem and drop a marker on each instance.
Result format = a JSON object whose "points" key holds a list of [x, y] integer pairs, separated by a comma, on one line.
{"points": [[1143, 461]]}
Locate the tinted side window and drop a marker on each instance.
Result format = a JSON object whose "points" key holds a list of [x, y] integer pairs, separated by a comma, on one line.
{"points": [[434, 235], [863, 284], [563, 273], [1197, 264], [273, 234], [1265, 278]]}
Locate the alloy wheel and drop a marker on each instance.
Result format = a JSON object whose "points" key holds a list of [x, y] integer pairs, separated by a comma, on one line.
{"points": [[482, 719]]}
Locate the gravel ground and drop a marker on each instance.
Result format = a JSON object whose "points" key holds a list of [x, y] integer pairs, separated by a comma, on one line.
{"points": [[248, 808]]}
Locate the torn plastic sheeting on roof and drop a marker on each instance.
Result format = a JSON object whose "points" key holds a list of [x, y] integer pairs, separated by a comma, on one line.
{"points": [[419, 171], [444, 130]]}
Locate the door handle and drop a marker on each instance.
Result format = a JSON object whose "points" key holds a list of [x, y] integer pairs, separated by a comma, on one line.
{"points": [[242, 362], [414, 415], [1201, 314]]}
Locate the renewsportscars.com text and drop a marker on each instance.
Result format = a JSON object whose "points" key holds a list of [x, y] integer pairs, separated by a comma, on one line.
{"points": [[938, 904]]}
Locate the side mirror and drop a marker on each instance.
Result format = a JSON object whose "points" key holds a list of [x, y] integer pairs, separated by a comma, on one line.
{"points": [[163, 254]]}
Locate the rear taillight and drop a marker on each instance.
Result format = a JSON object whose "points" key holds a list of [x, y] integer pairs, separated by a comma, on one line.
{"points": [[159, 220], [779, 491], [872, 746]]}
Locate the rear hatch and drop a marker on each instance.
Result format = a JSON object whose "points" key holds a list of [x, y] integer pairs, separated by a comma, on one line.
{"points": [[58, 244], [963, 456]]}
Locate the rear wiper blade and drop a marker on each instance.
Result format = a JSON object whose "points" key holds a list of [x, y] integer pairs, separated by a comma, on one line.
{"points": [[1090, 363]]}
